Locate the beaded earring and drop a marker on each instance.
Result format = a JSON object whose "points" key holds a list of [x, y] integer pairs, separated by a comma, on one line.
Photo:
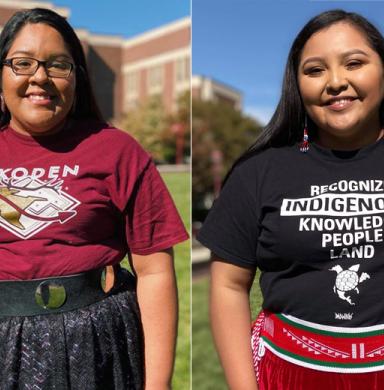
{"points": [[304, 146]]}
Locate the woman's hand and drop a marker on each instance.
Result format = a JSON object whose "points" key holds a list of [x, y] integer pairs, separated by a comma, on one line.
{"points": [[157, 296], [231, 322]]}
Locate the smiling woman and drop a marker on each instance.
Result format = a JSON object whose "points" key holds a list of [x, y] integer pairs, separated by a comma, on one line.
{"points": [[342, 86], [304, 205], [76, 197], [38, 99]]}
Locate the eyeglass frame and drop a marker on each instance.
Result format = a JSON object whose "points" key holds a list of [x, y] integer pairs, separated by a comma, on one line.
{"points": [[8, 62]]}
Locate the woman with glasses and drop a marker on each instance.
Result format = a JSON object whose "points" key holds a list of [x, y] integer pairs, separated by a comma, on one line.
{"points": [[76, 196], [305, 205]]}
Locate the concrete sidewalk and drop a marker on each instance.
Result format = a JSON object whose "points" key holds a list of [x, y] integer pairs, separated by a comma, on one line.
{"points": [[200, 255], [173, 168]]}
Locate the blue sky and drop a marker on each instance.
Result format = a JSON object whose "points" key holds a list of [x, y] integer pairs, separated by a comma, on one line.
{"points": [[245, 43], [123, 17]]}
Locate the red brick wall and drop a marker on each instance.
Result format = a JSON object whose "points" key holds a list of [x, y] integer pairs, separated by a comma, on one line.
{"points": [[172, 41], [104, 64], [6, 13], [168, 86]]}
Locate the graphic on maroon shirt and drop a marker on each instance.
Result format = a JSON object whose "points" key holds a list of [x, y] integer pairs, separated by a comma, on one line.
{"points": [[28, 204], [79, 200]]}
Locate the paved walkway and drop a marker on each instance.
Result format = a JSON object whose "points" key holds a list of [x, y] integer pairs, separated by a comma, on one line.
{"points": [[173, 168], [200, 255]]}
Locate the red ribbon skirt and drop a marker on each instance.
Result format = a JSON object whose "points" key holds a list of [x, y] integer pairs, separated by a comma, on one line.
{"points": [[292, 356]]}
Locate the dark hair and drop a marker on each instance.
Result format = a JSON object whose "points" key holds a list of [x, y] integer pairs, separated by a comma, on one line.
{"points": [[286, 125], [84, 105]]}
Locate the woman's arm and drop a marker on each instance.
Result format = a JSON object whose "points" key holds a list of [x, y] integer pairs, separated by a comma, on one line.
{"points": [[157, 296], [231, 322]]}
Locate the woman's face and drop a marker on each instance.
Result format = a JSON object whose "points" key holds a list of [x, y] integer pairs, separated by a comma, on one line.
{"points": [[38, 104], [341, 82]]}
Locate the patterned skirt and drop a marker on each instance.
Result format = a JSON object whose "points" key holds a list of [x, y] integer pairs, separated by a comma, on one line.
{"points": [[278, 374], [99, 347], [275, 371]]}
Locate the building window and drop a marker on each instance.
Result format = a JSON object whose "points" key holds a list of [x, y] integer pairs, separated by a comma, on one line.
{"points": [[155, 79], [132, 85], [182, 70]]}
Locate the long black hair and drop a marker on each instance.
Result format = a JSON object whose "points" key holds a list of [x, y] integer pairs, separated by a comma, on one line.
{"points": [[286, 125], [84, 105]]}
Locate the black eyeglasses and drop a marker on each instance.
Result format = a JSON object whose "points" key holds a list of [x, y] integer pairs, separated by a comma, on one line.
{"points": [[28, 66]]}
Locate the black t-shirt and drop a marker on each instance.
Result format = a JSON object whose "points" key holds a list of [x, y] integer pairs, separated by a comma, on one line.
{"points": [[313, 224]]}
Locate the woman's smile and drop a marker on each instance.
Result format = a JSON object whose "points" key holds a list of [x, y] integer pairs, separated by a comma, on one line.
{"points": [[339, 103], [40, 98]]}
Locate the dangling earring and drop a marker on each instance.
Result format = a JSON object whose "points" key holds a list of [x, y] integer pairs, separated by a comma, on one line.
{"points": [[3, 107], [304, 146]]}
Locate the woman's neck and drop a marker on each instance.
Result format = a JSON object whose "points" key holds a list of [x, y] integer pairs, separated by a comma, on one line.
{"points": [[331, 141]]}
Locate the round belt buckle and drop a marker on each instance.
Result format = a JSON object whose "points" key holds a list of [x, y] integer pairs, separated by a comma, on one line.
{"points": [[50, 295]]}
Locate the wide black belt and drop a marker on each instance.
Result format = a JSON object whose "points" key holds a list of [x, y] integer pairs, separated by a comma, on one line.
{"points": [[55, 294]]}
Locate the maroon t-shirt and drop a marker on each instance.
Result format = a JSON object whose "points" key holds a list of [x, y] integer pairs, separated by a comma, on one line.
{"points": [[78, 200]]}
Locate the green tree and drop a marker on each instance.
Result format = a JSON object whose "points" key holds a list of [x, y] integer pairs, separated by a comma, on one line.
{"points": [[147, 124], [154, 128], [216, 126]]}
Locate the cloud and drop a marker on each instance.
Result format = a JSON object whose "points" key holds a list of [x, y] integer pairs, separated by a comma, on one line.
{"points": [[261, 113]]}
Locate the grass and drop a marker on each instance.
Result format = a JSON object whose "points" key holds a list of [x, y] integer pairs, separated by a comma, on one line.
{"points": [[179, 186], [207, 373]]}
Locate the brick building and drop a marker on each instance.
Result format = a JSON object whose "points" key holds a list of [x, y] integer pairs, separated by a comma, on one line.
{"points": [[126, 71]]}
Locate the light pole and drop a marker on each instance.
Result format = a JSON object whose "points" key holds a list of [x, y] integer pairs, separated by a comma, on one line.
{"points": [[217, 167], [178, 130]]}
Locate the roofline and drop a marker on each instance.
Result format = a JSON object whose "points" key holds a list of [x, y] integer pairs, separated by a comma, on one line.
{"points": [[23, 4], [156, 32], [158, 59], [118, 40], [197, 77], [99, 39]]}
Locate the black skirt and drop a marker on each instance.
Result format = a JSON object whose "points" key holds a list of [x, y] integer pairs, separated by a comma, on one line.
{"points": [[99, 347]]}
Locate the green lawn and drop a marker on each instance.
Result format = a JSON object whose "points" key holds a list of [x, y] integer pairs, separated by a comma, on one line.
{"points": [[179, 186], [207, 373]]}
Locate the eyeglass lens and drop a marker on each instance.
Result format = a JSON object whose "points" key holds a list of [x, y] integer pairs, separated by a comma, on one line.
{"points": [[28, 66]]}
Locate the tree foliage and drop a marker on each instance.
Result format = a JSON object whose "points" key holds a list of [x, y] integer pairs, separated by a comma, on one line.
{"points": [[216, 126], [152, 127], [147, 124]]}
